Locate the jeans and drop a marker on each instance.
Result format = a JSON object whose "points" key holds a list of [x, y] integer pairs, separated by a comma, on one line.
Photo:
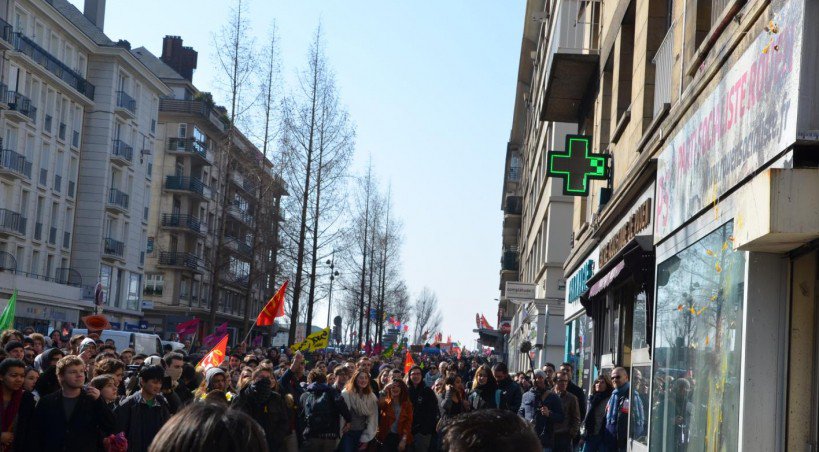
{"points": [[350, 441]]}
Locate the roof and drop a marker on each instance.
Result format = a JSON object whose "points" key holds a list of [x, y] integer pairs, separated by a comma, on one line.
{"points": [[155, 65], [76, 17]]}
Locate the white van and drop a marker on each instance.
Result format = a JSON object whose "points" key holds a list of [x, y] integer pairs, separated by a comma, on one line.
{"points": [[141, 343]]}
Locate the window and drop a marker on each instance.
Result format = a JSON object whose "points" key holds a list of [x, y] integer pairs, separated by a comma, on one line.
{"points": [[105, 280], [697, 347], [154, 283], [133, 292], [183, 130]]}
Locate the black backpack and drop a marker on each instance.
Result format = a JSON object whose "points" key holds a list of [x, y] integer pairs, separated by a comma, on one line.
{"points": [[319, 413]]}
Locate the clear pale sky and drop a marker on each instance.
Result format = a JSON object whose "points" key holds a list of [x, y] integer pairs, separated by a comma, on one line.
{"points": [[430, 85]]}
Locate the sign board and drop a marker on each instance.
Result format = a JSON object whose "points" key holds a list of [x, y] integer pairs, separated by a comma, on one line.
{"points": [[519, 291], [746, 121], [577, 284], [577, 165], [637, 224]]}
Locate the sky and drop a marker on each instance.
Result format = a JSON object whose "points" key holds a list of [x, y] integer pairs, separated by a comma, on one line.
{"points": [[430, 85]]}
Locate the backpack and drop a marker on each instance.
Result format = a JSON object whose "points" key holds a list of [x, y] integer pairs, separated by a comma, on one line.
{"points": [[319, 413]]}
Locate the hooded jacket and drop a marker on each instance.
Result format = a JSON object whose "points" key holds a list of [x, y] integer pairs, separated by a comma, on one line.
{"points": [[141, 422], [329, 427], [425, 409], [268, 408]]}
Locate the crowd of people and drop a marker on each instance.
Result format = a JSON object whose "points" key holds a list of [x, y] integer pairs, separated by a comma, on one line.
{"points": [[80, 393]]}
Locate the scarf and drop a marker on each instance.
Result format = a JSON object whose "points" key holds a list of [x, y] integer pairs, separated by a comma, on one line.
{"points": [[362, 404], [9, 415], [611, 407]]}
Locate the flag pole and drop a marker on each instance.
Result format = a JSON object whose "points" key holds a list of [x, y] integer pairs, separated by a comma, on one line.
{"points": [[250, 330]]}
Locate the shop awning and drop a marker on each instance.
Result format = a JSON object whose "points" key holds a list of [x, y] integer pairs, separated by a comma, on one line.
{"points": [[607, 279], [489, 338]]}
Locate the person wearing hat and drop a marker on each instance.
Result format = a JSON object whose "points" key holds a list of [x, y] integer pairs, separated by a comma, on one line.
{"points": [[215, 386], [15, 350], [142, 414]]}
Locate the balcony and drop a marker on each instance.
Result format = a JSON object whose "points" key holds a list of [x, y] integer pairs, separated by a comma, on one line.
{"points": [[241, 182], [188, 185], [663, 67], [121, 152], [20, 108], [179, 260], [126, 105], [117, 201], [189, 146], [238, 245], [236, 212], [113, 249], [14, 165], [184, 222], [40, 56], [572, 60], [192, 107], [12, 222], [510, 259], [6, 35]]}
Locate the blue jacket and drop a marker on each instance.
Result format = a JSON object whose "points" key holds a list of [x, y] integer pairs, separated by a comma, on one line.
{"points": [[533, 400]]}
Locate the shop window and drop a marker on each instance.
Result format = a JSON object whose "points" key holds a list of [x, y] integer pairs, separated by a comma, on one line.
{"points": [[697, 347], [638, 414]]}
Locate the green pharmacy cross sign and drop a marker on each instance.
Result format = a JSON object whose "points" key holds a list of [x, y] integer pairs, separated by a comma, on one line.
{"points": [[577, 165]]}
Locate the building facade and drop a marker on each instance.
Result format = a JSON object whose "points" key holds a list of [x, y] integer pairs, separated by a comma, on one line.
{"points": [[693, 262], [75, 104], [216, 214]]}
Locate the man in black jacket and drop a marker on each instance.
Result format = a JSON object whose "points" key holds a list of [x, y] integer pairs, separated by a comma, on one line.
{"points": [[144, 412], [266, 407], [511, 390], [578, 392], [425, 412], [320, 409], [74, 418]]}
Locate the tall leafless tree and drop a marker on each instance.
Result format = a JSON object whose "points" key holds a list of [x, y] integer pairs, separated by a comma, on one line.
{"points": [[427, 315]]}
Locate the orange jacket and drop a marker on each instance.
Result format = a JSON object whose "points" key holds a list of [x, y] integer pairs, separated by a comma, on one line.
{"points": [[386, 417]]}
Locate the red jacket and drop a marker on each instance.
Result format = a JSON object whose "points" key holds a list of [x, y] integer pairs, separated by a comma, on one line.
{"points": [[386, 417]]}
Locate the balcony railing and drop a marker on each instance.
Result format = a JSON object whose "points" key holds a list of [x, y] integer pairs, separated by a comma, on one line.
{"points": [[510, 259], [20, 103], [113, 247], [42, 57], [514, 174], [122, 151], [125, 101], [14, 162], [190, 145], [663, 67], [177, 220], [575, 27], [11, 221], [6, 31], [241, 215], [179, 259], [195, 107], [184, 183], [118, 199], [514, 205]]}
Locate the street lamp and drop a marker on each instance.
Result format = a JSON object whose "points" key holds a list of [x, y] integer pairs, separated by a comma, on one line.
{"points": [[331, 262]]}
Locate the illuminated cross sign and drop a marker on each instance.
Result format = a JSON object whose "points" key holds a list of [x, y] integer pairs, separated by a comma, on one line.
{"points": [[577, 165]]}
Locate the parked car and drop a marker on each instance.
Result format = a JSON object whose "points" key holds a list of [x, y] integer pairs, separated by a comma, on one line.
{"points": [[141, 343]]}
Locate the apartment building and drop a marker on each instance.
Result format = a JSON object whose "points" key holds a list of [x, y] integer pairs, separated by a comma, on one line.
{"points": [[693, 259], [537, 214], [74, 105], [197, 181]]}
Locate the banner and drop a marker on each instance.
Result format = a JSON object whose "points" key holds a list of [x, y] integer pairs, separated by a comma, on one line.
{"points": [[313, 342]]}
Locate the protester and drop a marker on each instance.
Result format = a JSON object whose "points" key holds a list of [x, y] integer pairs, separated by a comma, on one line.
{"points": [[425, 411], [542, 409], [74, 418], [141, 415], [511, 390], [108, 390], [617, 411], [363, 406], [595, 420], [214, 386], [485, 393], [489, 430], [395, 418], [210, 427], [16, 406], [566, 430], [261, 402], [321, 407]]}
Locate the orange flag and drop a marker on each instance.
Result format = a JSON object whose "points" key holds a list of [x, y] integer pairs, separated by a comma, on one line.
{"points": [[408, 363], [215, 357], [274, 308]]}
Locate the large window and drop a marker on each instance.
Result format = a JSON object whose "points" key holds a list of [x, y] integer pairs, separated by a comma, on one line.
{"points": [[697, 347], [579, 351]]}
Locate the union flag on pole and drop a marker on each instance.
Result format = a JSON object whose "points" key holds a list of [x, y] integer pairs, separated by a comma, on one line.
{"points": [[215, 357], [274, 308], [408, 362]]}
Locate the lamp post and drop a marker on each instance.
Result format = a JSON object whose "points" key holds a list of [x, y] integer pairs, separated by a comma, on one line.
{"points": [[331, 262]]}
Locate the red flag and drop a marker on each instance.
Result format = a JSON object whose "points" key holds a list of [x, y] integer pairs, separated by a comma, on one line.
{"points": [[485, 324], [186, 328], [406, 328], [408, 363], [215, 357], [274, 308], [211, 339], [458, 351]]}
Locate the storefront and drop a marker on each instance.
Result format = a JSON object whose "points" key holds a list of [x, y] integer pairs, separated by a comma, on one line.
{"points": [[579, 326], [42, 317]]}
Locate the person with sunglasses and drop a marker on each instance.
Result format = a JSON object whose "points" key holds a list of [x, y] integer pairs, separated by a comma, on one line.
{"points": [[595, 419], [617, 411], [566, 430]]}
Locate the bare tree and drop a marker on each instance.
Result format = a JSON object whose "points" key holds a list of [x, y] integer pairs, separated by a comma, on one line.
{"points": [[427, 315]]}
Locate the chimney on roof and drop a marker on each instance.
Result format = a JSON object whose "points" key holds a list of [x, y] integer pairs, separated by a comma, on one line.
{"points": [[179, 58], [94, 10]]}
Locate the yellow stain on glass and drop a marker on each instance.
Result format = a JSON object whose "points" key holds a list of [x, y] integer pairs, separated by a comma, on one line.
{"points": [[709, 252], [717, 267]]}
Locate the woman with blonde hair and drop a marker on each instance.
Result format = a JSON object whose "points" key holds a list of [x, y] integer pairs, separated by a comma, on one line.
{"points": [[363, 406], [244, 378], [394, 418]]}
